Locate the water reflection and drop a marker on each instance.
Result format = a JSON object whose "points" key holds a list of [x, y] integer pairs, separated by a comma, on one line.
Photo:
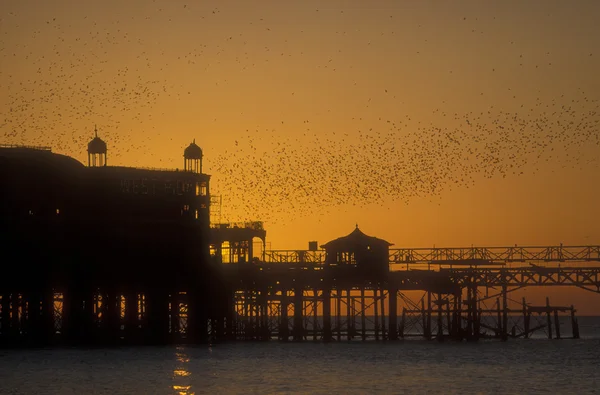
{"points": [[181, 375]]}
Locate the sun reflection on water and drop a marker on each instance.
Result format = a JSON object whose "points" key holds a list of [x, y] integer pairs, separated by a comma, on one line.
{"points": [[181, 383]]}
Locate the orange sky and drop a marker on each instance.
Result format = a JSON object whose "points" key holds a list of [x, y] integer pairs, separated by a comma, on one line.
{"points": [[403, 117]]}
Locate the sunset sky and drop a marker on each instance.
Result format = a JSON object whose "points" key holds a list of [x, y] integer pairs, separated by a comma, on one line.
{"points": [[446, 123]]}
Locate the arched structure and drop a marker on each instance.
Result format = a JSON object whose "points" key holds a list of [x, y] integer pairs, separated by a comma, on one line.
{"points": [[96, 151], [192, 158]]}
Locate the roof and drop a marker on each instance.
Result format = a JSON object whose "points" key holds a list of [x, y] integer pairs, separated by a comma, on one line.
{"points": [[193, 151], [355, 239], [97, 145]]}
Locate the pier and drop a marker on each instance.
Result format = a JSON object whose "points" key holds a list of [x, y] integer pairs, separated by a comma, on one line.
{"points": [[462, 293], [104, 255]]}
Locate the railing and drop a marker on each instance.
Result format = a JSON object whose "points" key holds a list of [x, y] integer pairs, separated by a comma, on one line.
{"points": [[496, 255], [295, 256], [34, 147], [254, 225], [471, 256]]}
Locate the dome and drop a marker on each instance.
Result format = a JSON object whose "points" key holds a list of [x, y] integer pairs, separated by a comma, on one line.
{"points": [[97, 145], [193, 151], [355, 239]]}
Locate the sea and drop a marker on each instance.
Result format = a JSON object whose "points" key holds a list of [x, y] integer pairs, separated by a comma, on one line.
{"points": [[517, 366]]}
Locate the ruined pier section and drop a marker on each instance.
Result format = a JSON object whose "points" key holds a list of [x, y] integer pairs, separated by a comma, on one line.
{"points": [[358, 288]]}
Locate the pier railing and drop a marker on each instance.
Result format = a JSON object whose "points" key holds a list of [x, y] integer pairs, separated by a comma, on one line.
{"points": [[433, 258]]}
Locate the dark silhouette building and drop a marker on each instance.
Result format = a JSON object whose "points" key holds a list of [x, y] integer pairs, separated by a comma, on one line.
{"points": [[358, 253], [105, 253]]}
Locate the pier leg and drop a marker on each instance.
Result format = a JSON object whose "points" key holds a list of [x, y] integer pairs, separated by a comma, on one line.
{"points": [[449, 317], [556, 324], [376, 314], [393, 314], [402, 323], [349, 316], [131, 317], [457, 316], [440, 327], [574, 324], [315, 316], [382, 301], [264, 311], [158, 317], [526, 318], [298, 318], [5, 319], [327, 314], [363, 319], [283, 326], [338, 313], [499, 326], [424, 317], [504, 312], [549, 319]]}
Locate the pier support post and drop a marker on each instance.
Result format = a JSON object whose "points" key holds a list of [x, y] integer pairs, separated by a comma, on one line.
{"points": [[548, 318], [574, 324], [393, 314], [338, 313], [402, 323], [504, 312], [283, 325], [363, 320], [382, 301], [158, 317], [315, 315], [131, 317], [440, 327], [298, 313], [376, 314], [556, 324], [326, 313]]}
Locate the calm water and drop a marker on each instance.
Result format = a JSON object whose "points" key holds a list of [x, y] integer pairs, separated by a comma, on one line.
{"points": [[415, 366]]}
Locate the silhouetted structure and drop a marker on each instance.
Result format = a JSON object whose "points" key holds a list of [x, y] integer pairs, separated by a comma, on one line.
{"points": [[111, 255], [105, 254]]}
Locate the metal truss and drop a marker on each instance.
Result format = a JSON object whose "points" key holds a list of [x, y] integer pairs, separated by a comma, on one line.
{"points": [[583, 277]]}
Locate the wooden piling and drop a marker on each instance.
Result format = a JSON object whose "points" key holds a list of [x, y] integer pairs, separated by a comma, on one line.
{"points": [[440, 327], [526, 319], [504, 312], [556, 324], [393, 314], [363, 320], [298, 314], [382, 301], [549, 319], [338, 314], [574, 324], [402, 323], [327, 335], [315, 316], [375, 314]]}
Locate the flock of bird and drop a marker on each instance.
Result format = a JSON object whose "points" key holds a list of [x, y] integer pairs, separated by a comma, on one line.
{"points": [[274, 174], [390, 162]]}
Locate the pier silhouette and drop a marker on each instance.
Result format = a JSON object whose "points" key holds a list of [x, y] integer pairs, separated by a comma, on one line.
{"points": [[109, 255]]}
